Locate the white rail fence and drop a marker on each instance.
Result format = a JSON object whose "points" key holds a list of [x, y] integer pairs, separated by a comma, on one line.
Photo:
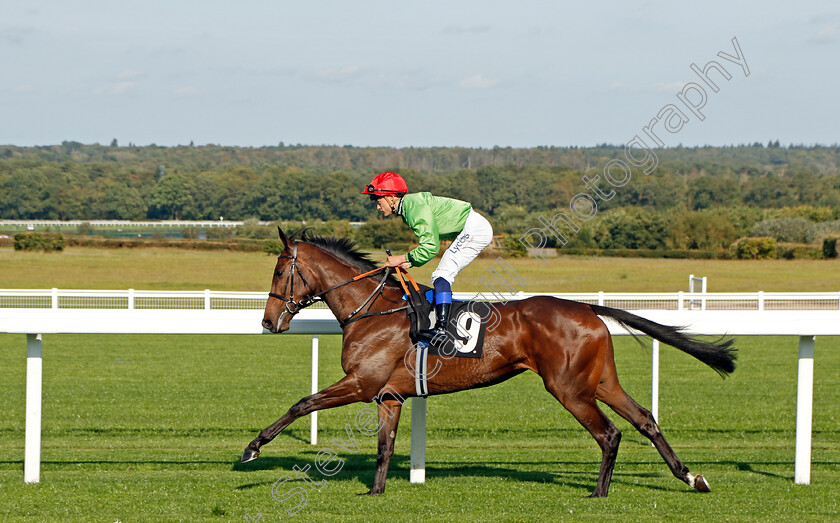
{"points": [[36, 312], [215, 300]]}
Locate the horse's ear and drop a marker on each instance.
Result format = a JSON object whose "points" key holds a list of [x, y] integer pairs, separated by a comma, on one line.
{"points": [[283, 238], [299, 233]]}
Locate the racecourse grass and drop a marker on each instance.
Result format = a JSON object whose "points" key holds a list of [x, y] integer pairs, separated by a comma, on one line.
{"points": [[150, 428], [174, 269]]}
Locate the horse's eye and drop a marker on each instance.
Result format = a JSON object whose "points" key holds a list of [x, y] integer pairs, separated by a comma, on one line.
{"points": [[278, 274]]}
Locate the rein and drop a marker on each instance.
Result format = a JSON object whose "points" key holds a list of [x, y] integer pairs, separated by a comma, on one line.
{"points": [[293, 307]]}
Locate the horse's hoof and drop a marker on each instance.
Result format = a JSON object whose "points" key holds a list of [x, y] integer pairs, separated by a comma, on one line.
{"points": [[701, 484], [249, 455]]}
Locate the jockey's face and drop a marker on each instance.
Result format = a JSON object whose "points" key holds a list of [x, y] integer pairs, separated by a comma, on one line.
{"points": [[387, 204]]}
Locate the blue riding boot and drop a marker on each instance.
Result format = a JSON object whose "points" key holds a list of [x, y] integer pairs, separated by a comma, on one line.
{"points": [[437, 334], [443, 302]]}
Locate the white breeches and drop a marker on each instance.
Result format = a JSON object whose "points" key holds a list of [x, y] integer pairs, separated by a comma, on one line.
{"points": [[476, 235]]}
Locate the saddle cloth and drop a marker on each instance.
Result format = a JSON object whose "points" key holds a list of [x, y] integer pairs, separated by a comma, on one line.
{"points": [[466, 327], [465, 334]]}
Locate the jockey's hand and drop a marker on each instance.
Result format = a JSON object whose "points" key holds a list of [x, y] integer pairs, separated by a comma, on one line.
{"points": [[397, 261]]}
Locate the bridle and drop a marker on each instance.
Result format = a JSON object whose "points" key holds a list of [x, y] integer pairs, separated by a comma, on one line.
{"points": [[293, 307]]}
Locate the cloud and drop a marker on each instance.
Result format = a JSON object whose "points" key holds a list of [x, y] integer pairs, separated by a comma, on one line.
{"points": [[667, 86], [827, 34], [823, 18], [117, 88], [15, 35], [121, 83], [461, 29], [129, 74], [122, 87], [23, 88], [339, 75], [186, 91], [410, 79], [477, 82], [539, 30], [654, 87]]}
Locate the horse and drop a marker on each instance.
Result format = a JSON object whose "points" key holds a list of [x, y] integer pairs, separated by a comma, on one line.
{"points": [[565, 342]]}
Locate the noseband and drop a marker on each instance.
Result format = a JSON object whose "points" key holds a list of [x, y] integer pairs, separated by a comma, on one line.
{"points": [[293, 307]]}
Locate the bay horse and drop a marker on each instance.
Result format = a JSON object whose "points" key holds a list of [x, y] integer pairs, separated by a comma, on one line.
{"points": [[565, 342]]}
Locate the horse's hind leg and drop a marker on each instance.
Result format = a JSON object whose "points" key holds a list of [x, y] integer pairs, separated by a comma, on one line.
{"points": [[608, 437], [611, 393], [602, 429]]}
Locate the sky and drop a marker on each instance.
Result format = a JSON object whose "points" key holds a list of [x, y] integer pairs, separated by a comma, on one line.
{"points": [[415, 74]]}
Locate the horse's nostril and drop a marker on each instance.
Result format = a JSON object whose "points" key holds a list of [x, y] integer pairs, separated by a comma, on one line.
{"points": [[267, 324]]}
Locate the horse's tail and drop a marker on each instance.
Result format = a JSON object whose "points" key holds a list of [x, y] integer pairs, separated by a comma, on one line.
{"points": [[718, 355]]}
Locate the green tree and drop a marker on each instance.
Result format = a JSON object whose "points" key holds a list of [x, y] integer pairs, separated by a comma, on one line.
{"points": [[379, 233], [120, 202], [794, 230], [707, 229], [713, 191], [29, 194], [174, 197], [632, 229]]}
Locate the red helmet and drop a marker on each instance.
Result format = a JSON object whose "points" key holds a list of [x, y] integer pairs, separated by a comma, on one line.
{"points": [[386, 183]]}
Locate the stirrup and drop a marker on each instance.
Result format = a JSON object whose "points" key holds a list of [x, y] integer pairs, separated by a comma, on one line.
{"points": [[432, 333], [435, 337]]}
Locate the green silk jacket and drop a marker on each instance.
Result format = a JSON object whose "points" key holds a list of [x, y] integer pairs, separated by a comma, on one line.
{"points": [[432, 218]]}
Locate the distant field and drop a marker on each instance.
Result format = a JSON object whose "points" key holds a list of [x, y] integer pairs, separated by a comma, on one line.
{"points": [[162, 269]]}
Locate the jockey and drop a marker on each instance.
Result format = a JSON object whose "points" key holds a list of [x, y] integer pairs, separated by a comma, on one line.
{"points": [[433, 218]]}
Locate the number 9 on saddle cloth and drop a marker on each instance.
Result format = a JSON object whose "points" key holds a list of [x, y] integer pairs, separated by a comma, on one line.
{"points": [[464, 332]]}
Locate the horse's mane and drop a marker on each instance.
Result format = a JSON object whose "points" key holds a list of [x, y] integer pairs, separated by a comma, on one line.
{"points": [[344, 248]]}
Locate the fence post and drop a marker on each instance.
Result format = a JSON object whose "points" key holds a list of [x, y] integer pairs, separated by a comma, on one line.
{"points": [[131, 299], [54, 301], [313, 420], [32, 437], [418, 440], [761, 300], [654, 382], [804, 410], [207, 299]]}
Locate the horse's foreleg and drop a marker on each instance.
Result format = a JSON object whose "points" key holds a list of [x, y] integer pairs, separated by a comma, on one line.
{"points": [[342, 392], [389, 418]]}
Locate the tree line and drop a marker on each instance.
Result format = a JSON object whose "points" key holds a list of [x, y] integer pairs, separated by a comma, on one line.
{"points": [[716, 192]]}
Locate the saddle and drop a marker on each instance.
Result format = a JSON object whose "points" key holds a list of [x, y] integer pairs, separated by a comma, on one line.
{"points": [[465, 330]]}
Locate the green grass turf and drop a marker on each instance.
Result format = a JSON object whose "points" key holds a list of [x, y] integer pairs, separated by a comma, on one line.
{"points": [[174, 269], [150, 428]]}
